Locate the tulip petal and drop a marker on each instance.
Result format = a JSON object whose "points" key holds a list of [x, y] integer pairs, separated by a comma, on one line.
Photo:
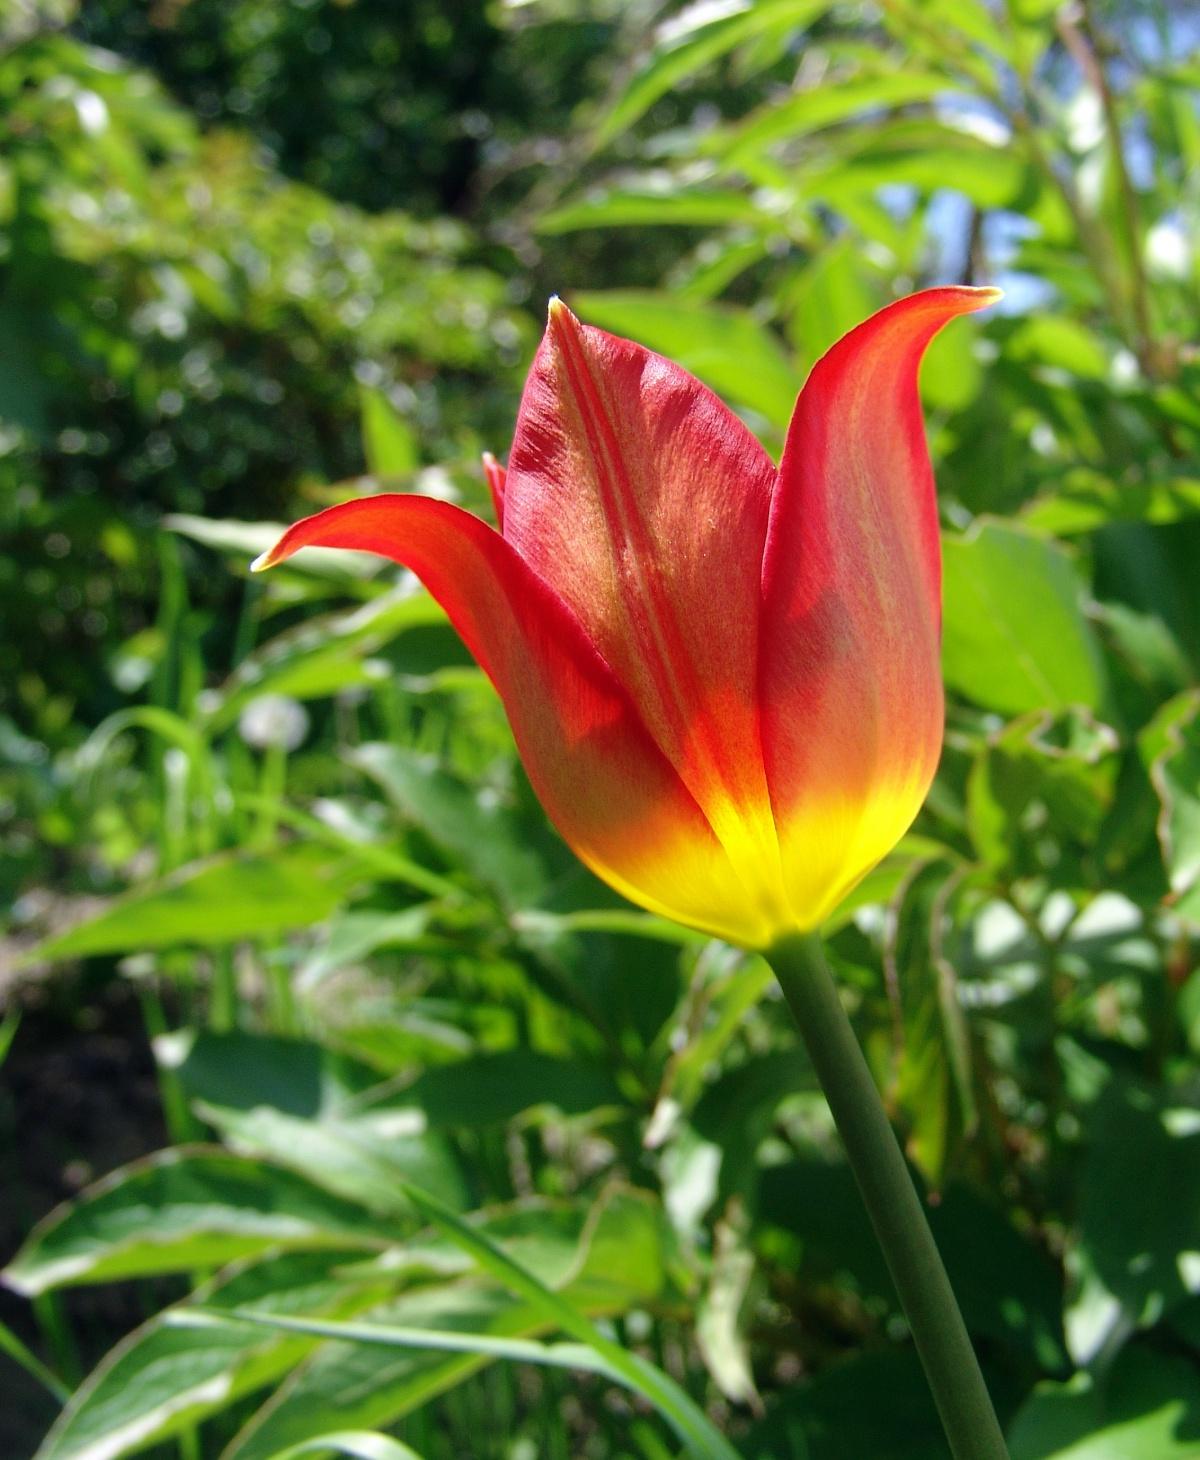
{"points": [[643, 501], [605, 784], [494, 474], [849, 673]]}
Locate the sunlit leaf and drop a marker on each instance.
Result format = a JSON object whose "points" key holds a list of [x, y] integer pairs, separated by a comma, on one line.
{"points": [[1016, 637], [184, 1209], [222, 900]]}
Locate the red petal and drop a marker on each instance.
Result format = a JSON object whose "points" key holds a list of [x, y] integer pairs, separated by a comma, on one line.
{"points": [[494, 473], [643, 501], [850, 677], [603, 781]]}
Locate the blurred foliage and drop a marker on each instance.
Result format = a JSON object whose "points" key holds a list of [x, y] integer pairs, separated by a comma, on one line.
{"points": [[253, 250]]}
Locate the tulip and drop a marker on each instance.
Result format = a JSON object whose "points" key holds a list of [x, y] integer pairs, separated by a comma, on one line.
{"points": [[722, 676]]}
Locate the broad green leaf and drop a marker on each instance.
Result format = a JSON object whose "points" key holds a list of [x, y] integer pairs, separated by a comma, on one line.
{"points": [[609, 1246], [727, 348], [1147, 1407], [1061, 343], [485, 839], [320, 1113], [389, 442], [182, 1210], [364, 1385], [614, 1262], [181, 1367], [1016, 637], [694, 39], [222, 900], [490, 1089]]}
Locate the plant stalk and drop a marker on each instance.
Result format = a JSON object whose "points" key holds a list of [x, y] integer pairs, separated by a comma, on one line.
{"points": [[892, 1202]]}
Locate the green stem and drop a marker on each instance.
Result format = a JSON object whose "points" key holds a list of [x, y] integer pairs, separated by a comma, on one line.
{"points": [[891, 1199]]}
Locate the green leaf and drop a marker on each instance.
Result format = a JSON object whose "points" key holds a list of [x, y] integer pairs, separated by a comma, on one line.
{"points": [[1087, 500], [613, 1261], [1170, 749], [363, 1384], [1060, 343], [928, 155], [184, 1209], [324, 655], [493, 1088], [354, 936], [1136, 1255], [389, 442], [320, 1113], [1146, 1408], [181, 1367], [223, 900], [360, 1444], [607, 1249], [694, 39], [829, 296], [659, 201], [802, 113], [485, 839], [1042, 770], [727, 348], [1016, 637]]}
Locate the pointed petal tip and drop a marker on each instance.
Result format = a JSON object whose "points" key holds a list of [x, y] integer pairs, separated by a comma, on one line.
{"points": [[984, 295], [560, 319], [263, 561]]}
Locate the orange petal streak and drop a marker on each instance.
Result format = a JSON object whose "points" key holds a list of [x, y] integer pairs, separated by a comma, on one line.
{"points": [[605, 784], [850, 678], [643, 502]]}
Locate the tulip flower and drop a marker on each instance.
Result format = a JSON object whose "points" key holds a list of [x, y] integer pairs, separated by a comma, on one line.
{"points": [[722, 676]]}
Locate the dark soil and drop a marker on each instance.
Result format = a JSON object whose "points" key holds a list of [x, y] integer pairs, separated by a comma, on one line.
{"points": [[78, 1097]]}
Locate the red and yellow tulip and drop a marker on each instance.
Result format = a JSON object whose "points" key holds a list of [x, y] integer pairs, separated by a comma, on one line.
{"points": [[722, 676]]}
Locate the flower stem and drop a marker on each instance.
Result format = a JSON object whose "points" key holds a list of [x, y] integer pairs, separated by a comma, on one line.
{"points": [[891, 1199]]}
